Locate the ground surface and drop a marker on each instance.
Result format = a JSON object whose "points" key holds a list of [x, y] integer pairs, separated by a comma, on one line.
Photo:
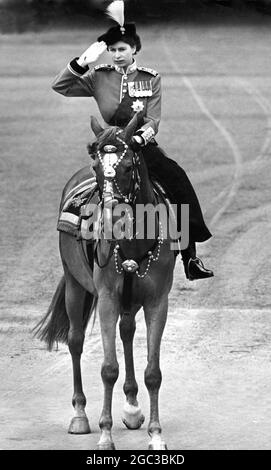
{"points": [[216, 390]]}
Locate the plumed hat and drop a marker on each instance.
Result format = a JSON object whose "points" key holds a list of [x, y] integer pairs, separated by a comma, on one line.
{"points": [[122, 31], [126, 33]]}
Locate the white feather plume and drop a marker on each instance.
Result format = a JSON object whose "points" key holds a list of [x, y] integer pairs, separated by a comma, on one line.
{"points": [[116, 11]]}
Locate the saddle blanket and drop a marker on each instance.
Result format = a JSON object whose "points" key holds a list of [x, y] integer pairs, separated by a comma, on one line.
{"points": [[73, 215], [72, 207]]}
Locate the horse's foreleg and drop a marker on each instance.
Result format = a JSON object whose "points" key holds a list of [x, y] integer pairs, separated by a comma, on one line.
{"points": [[155, 321], [74, 299], [132, 414], [109, 370]]}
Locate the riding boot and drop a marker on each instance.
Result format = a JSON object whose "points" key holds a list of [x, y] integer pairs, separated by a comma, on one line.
{"points": [[193, 266]]}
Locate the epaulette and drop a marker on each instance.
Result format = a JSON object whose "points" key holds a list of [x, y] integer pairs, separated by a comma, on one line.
{"points": [[146, 69], [104, 67]]}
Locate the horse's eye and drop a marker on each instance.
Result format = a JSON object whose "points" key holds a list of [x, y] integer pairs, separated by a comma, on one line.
{"points": [[92, 149]]}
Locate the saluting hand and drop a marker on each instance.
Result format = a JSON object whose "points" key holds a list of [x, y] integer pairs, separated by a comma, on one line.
{"points": [[92, 53]]}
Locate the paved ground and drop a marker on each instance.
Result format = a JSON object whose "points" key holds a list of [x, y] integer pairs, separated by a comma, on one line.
{"points": [[216, 347]]}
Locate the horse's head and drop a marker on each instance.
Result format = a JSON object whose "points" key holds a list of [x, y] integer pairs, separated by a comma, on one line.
{"points": [[115, 163]]}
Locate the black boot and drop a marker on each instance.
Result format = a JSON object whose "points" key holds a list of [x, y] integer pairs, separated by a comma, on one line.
{"points": [[193, 266]]}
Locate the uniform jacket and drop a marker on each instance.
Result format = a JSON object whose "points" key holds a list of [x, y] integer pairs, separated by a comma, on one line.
{"points": [[118, 94]]}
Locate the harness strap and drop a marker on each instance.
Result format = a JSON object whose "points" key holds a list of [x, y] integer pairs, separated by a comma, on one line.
{"points": [[138, 260]]}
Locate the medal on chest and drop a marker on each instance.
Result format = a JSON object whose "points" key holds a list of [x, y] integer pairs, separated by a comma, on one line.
{"points": [[140, 89], [137, 106]]}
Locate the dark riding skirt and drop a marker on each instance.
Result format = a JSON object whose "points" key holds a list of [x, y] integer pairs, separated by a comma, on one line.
{"points": [[176, 182]]}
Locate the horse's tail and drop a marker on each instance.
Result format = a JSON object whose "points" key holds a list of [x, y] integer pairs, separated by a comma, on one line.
{"points": [[54, 326]]}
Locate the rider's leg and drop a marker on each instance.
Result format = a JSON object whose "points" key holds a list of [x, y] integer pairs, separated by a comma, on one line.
{"points": [[176, 181]]}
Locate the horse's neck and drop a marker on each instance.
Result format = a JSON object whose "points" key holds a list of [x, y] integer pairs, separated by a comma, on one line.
{"points": [[145, 194], [138, 247]]}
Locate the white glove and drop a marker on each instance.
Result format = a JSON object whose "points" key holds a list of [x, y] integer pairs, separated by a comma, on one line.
{"points": [[137, 142], [138, 139], [92, 53]]}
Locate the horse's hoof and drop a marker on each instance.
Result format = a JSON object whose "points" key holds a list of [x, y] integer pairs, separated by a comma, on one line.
{"points": [[134, 424], [132, 416], [79, 425], [106, 446], [157, 445]]}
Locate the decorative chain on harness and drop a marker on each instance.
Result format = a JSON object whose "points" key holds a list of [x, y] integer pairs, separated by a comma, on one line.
{"points": [[132, 266], [110, 161]]}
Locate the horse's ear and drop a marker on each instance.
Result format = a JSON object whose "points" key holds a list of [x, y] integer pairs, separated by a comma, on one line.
{"points": [[131, 127], [95, 126]]}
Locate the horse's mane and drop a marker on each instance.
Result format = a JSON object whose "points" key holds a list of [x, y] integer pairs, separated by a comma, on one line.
{"points": [[109, 135]]}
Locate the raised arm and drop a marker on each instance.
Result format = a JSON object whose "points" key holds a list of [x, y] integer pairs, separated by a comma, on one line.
{"points": [[75, 79]]}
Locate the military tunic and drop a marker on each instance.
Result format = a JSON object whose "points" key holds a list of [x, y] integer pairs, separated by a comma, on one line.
{"points": [[119, 95], [136, 89]]}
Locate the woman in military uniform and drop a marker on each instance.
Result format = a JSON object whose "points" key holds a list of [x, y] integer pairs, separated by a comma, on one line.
{"points": [[121, 90]]}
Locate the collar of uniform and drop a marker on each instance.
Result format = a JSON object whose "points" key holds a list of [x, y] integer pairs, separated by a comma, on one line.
{"points": [[130, 69]]}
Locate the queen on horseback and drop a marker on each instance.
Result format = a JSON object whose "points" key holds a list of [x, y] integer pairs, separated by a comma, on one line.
{"points": [[122, 89]]}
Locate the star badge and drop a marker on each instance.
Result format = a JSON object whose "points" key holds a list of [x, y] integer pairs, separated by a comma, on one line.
{"points": [[137, 106]]}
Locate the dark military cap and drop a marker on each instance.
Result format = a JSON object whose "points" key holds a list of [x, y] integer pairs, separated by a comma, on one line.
{"points": [[126, 33]]}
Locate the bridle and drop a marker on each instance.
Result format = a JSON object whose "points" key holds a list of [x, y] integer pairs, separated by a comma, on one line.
{"points": [[109, 162]]}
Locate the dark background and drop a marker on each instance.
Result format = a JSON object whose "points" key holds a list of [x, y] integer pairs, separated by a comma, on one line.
{"points": [[23, 15]]}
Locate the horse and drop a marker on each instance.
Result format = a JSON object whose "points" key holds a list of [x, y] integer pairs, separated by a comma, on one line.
{"points": [[126, 275]]}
